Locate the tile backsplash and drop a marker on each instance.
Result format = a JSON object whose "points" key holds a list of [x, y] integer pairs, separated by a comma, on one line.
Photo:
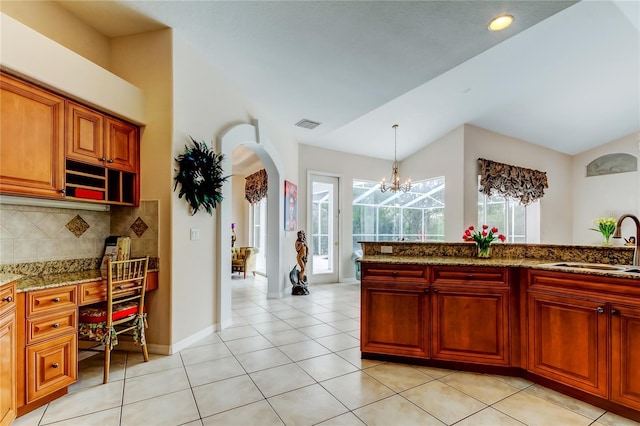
{"points": [[35, 234], [139, 223]]}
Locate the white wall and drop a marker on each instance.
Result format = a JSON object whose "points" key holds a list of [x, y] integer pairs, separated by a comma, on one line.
{"points": [[131, 57], [443, 158], [57, 23], [206, 104], [348, 167], [603, 196], [556, 213]]}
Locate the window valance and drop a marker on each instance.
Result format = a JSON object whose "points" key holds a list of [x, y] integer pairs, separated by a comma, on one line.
{"points": [[518, 183], [255, 187]]}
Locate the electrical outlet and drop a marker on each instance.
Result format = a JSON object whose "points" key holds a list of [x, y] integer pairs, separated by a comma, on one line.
{"points": [[386, 249], [195, 234]]}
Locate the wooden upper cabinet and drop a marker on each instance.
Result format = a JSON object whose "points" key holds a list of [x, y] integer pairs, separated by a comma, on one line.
{"points": [[31, 140], [85, 135], [122, 145], [94, 138]]}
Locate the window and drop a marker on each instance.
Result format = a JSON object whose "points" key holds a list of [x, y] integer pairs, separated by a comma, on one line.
{"points": [[417, 215], [511, 217], [258, 212]]}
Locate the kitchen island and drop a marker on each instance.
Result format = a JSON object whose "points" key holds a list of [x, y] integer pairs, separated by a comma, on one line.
{"points": [[521, 312]]}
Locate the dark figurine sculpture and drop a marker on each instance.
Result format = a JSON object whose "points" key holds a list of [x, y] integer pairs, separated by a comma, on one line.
{"points": [[299, 277]]}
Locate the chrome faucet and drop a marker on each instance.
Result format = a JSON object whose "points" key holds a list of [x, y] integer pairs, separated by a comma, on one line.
{"points": [[618, 234]]}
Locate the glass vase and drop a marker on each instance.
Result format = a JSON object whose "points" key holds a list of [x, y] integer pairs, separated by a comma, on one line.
{"points": [[484, 251]]}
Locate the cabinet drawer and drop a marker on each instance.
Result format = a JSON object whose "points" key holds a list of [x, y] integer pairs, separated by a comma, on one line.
{"points": [[51, 366], [417, 273], [96, 291], [479, 275], [48, 326], [92, 292], [51, 300], [7, 298]]}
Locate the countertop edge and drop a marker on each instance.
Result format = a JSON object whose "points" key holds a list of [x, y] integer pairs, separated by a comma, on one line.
{"points": [[27, 283], [492, 262]]}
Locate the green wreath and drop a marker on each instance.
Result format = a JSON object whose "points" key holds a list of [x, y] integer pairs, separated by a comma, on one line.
{"points": [[200, 177]]}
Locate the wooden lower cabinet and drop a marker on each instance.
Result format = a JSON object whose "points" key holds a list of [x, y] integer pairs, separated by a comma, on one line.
{"points": [[568, 341], [576, 333], [8, 353], [51, 365], [470, 324], [625, 355], [395, 319], [48, 345], [463, 316]]}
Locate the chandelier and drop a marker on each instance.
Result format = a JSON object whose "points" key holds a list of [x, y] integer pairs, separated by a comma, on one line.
{"points": [[395, 184]]}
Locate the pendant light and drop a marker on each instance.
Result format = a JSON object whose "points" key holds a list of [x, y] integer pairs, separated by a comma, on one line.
{"points": [[395, 184]]}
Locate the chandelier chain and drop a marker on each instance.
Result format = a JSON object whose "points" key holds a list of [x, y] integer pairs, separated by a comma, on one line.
{"points": [[395, 184]]}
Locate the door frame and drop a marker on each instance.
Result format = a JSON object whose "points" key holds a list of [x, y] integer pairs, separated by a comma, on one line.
{"points": [[313, 278], [255, 137]]}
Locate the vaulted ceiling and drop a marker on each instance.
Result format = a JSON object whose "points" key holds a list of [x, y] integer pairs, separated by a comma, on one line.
{"points": [[565, 75]]}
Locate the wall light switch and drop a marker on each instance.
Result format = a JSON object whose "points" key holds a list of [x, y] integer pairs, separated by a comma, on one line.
{"points": [[386, 249], [195, 234]]}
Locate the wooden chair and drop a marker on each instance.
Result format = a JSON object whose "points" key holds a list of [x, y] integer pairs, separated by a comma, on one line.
{"points": [[122, 313]]}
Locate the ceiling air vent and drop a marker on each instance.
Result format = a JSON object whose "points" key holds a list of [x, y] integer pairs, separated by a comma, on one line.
{"points": [[307, 124]]}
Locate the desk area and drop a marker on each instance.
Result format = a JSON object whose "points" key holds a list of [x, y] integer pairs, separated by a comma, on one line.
{"points": [[47, 330]]}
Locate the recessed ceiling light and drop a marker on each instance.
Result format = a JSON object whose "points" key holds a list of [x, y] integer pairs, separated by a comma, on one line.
{"points": [[500, 22]]}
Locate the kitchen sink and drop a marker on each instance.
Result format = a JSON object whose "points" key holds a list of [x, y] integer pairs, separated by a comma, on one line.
{"points": [[594, 267]]}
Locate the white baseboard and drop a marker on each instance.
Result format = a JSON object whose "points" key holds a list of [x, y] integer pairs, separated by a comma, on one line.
{"points": [[151, 348], [277, 295], [125, 345], [188, 341], [225, 324]]}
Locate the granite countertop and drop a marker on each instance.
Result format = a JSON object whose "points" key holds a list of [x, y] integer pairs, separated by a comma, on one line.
{"points": [[453, 261], [7, 278], [40, 282], [545, 264]]}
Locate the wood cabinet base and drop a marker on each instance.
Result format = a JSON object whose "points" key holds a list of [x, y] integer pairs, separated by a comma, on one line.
{"points": [[39, 403]]}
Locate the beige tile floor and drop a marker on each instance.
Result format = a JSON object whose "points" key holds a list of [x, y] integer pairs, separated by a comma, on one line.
{"points": [[296, 361]]}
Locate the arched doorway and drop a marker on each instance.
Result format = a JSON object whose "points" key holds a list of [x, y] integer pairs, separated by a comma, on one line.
{"points": [[253, 137]]}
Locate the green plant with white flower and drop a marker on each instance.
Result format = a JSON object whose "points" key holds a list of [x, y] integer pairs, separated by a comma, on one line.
{"points": [[606, 226]]}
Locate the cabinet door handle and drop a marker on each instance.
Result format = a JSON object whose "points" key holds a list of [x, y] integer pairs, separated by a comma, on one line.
{"points": [[470, 276], [63, 191], [55, 325], [55, 365], [435, 290], [8, 299], [55, 299], [103, 159], [109, 160], [426, 290], [394, 273], [614, 312], [600, 309], [119, 287]]}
